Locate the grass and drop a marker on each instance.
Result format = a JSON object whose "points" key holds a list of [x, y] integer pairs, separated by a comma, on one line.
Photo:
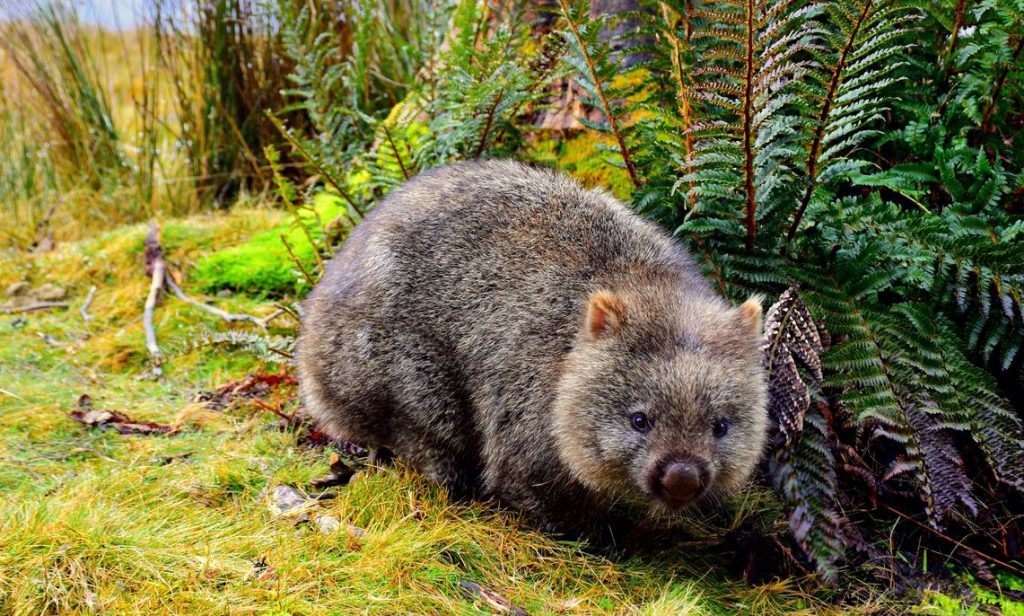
{"points": [[96, 520]]}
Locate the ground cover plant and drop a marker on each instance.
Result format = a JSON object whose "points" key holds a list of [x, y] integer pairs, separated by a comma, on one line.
{"points": [[856, 161]]}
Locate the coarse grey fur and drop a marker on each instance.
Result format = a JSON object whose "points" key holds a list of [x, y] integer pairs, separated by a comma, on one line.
{"points": [[498, 326]]}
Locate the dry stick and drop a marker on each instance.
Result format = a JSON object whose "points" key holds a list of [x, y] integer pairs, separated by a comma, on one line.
{"points": [[1012, 569], [32, 307], [227, 316], [84, 310], [155, 286], [157, 268]]}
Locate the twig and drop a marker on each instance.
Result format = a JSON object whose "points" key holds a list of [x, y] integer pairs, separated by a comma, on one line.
{"points": [[987, 557], [227, 316], [32, 307], [156, 268], [275, 410], [491, 598], [84, 310], [302, 268]]}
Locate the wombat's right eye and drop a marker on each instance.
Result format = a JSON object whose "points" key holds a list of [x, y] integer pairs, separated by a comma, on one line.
{"points": [[640, 422]]}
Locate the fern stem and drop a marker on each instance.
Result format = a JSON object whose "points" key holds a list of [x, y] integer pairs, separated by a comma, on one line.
{"points": [[297, 262], [1000, 82], [394, 148], [748, 131], [292, 141], [954, 39], [826, 109], [605, 104], [684, 99], [487, 126]]}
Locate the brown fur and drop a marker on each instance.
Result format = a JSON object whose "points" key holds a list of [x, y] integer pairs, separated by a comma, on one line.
{"points": [[497, 326]]}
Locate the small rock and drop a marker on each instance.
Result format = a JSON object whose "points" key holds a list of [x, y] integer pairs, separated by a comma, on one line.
{"points": [[49, 292], [224, 293], [17, 289], [286, 499], [327, 524]]}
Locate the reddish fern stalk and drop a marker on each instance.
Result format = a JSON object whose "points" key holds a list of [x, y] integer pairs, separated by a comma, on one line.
{"points": [[685, 110], [1000, 82], [822, 120], [750, 221]]}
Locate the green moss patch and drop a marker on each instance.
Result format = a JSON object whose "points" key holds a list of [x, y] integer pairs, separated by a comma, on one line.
{"points": [[261, 265]]}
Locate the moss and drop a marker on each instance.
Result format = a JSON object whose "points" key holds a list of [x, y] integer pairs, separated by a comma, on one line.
{"points": [[261, 265], [582, 156]]}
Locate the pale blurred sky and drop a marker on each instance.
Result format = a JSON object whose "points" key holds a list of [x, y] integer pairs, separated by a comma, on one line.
{"points": [[106, 13]]}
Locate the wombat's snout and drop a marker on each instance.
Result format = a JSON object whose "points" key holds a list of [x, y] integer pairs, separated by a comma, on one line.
{"points": [[681, 480]]}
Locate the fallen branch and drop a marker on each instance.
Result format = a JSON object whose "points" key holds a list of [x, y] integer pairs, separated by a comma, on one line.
{"points": [[227, 316], [492, 599], [156, 268], [84, 310], [32, 307]]}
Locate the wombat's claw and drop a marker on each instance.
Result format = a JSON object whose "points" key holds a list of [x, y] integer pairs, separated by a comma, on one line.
{"points": [[379, 457]]}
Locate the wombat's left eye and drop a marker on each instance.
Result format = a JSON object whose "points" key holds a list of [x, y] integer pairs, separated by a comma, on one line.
{"points": [[720, 428], [640, 422]]}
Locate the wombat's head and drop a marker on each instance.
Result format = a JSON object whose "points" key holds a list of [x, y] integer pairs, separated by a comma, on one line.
{"points": [[662, 400]]}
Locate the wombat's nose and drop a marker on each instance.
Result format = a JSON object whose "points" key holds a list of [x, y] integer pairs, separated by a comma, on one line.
{"points": [[681, 482]]}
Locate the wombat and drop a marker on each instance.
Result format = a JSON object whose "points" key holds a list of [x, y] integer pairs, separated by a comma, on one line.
{"points": [[520, 338]]}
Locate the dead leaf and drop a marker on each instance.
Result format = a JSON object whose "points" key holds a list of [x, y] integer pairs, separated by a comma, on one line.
{"points": [[254, 386], [119, 422], [286, 499], [340, 474]]}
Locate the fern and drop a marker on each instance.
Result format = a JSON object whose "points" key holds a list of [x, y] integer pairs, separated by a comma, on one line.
{"points": [[595, 72], [802, 466], [487, 84], [742, 161], [862, 41], [865, 150]]}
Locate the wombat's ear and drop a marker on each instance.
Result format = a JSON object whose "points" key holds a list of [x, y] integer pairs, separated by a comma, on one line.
{"points": [[750, 315], [606, 314]]}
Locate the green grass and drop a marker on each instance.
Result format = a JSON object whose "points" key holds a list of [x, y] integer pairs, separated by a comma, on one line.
{"points": [[95, 521]]}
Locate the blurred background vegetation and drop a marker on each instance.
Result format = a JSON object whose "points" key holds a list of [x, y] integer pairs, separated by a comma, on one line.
{"points": [[869, 153]]}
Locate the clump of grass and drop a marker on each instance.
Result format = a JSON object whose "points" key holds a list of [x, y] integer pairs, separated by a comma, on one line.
{"points": [[79, 161], [48, 48], [226, 69]]}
